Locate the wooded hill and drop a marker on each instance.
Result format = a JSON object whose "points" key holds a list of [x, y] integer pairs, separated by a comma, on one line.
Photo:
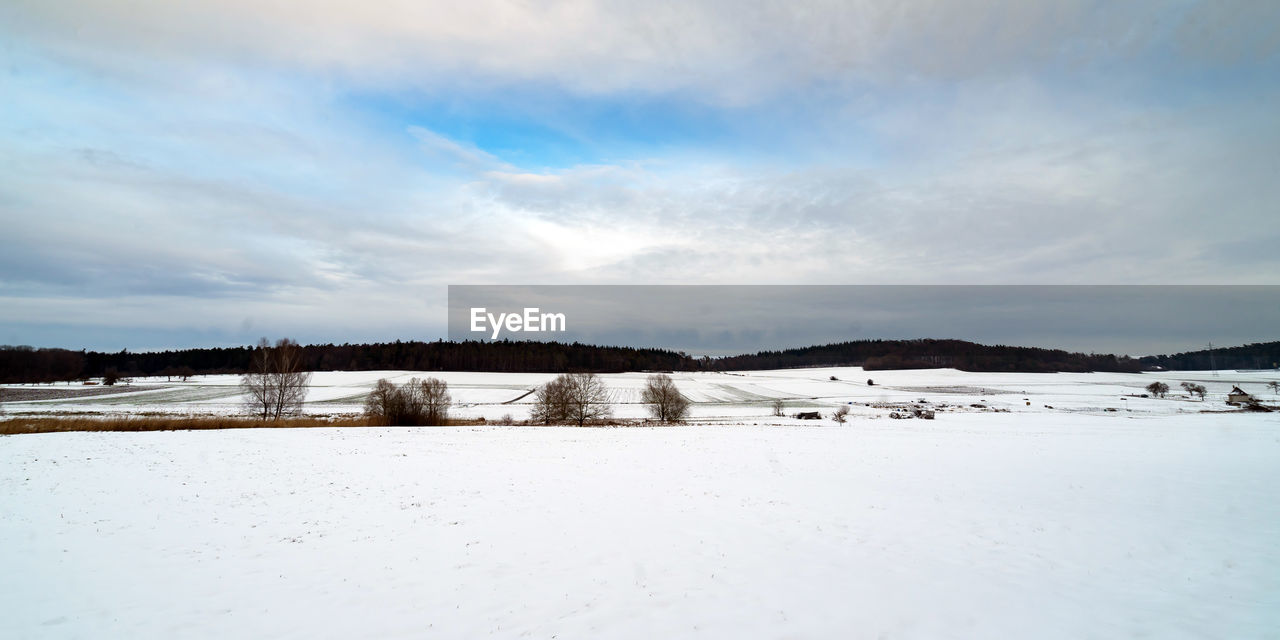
{"points": [[25, 364], [1259, 355]]}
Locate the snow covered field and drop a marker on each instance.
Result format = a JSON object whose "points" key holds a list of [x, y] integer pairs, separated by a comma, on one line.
{"points": [[718, 397], [1156, 521]]}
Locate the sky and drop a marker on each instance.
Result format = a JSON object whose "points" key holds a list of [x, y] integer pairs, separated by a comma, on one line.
{"points": [[205, 173]]}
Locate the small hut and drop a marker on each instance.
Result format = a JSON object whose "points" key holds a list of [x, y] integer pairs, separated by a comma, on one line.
{"points": [[1238, 396]]}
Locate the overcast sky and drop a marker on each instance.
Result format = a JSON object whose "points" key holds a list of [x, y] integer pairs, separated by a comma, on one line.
{"points": [[179, 174]]}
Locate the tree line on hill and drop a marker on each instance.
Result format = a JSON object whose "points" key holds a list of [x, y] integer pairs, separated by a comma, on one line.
{"points": [[27, 364], [1258, 355], [931, 354]]}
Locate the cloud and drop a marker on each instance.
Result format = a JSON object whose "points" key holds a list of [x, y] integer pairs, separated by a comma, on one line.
{"points": [[316, 165], [722, 51], [466, 156]]}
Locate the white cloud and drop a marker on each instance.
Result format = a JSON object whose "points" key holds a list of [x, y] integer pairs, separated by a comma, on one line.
{"points": [[727, 52], [192, 151]]}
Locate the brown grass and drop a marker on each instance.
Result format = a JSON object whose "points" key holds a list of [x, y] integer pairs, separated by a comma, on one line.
{"points": [[14, 426], [162, 422]]}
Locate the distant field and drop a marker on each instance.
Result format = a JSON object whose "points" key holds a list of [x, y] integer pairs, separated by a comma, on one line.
{"points": [[716, 397]]}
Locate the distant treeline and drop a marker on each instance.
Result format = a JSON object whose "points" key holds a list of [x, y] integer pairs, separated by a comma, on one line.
{"points": [[25, 364], [1259, 355], [929, 354]]}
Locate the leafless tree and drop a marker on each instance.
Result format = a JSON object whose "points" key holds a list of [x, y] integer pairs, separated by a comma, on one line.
{"points": [[589, 399], [577, 398], [275, 385], [1194, 389], [841, 414], [777, 407], [435, 401], [383, 402], [1158, 389], [551, 402], [1275, 386], [665, 401]]}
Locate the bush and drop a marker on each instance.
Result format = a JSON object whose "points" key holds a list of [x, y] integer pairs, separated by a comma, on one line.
{"points": [[415, 403], [841, 415]]}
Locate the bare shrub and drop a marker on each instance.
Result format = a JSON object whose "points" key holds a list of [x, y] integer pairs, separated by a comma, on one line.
{"points": [[275, 385], [415, 403], [665, 401], [841, 414]]}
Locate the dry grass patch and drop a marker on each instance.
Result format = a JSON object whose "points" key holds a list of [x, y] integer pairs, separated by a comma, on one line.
{"points": [[19, 425]]}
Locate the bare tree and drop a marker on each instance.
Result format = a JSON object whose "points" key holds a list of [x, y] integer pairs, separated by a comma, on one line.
{"points": [[256, 384], [777, 407], [1194, 389], [588, 398], [275, 385], [1158, 389], [1275, 386], [550, 402], [577, 398], [665, 401], [435, 401], [382, 403], [841, 414]]}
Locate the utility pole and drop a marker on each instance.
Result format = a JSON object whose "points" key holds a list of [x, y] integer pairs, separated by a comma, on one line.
{"points": [[1211, 363]]}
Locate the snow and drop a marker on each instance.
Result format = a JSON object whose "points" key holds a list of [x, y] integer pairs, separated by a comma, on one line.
{"points": [[1159, 521], [717, 397]]}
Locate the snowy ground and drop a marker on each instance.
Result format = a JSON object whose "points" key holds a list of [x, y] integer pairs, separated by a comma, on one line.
{"points": [[1070, 522], [717, 397]]}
